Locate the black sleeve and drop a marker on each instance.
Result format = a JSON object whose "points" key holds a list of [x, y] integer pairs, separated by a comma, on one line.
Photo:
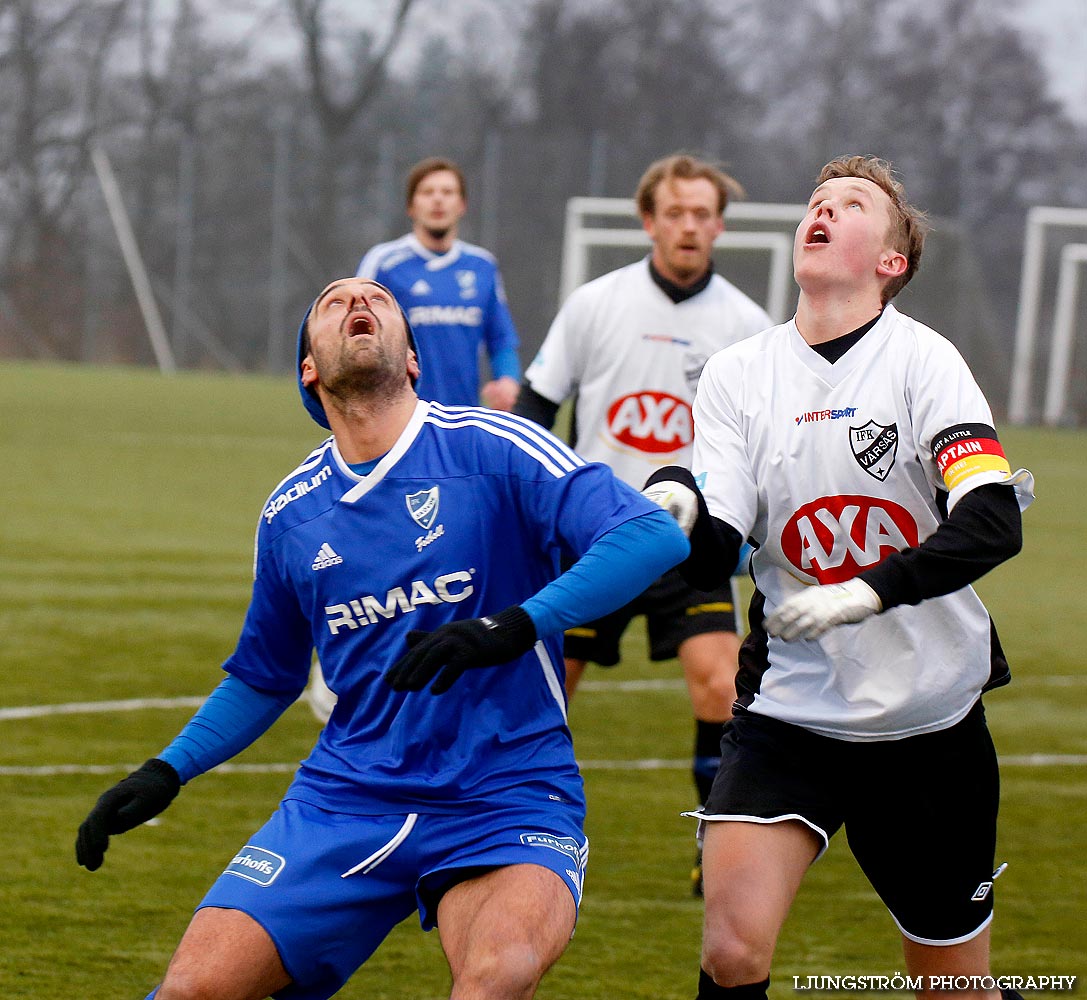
{"points": [[984, 529], [715, 544], [537, 408]]}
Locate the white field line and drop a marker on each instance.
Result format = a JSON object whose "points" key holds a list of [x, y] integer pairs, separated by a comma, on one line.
{"points": [[649, 764], [93, 707], [646, 684]]}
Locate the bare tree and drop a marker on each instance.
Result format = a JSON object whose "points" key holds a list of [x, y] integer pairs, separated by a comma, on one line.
{"points": [[51, 73], [339, 93]]}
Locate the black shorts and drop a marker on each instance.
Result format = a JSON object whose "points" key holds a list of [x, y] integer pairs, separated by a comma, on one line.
{"points": [[674, 612], [919, 813]]}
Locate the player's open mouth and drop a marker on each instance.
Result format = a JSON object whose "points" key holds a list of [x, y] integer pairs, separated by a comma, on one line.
{"points": [[817, 234], [359, 325]]}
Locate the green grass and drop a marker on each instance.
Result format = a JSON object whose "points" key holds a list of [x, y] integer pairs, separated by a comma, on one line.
{"points": [[130, 502]]}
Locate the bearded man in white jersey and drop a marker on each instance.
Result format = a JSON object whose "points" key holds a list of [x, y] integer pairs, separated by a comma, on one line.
{"points": [[631, 345], [855, 449]]}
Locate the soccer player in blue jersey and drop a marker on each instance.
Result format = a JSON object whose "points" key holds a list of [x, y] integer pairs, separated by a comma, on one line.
{"points": [[452, 292], [417, 543]]}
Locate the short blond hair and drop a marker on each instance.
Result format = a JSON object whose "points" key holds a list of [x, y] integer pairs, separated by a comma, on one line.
{"points": [[681, 166], [909, 225]]}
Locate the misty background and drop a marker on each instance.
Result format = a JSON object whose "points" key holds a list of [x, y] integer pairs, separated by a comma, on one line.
{"points": [[260, 147]]}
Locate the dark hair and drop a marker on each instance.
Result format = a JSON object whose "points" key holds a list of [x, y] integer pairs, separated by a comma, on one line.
{"points": [[431, 165]]}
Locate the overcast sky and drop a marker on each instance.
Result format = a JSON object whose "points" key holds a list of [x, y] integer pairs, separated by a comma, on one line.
{"points": [[1057, 29], [1060, 30]]}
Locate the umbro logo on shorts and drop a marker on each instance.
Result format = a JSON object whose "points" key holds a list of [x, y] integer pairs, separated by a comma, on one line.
{"points": [[326, 556], [982, 891]]}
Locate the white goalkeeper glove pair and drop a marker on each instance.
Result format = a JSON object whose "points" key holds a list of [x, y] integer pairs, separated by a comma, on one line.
{"points": [[814, 610]]}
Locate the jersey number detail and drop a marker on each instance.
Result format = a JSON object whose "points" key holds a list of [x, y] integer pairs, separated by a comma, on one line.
{"points": [[834, 538]]}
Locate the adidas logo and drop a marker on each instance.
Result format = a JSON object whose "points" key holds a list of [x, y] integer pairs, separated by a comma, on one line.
{"points": [[326, 556], [420, 288]]}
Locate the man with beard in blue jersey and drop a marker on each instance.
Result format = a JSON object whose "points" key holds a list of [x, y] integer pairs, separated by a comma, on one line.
{"points": [[416, 544]]}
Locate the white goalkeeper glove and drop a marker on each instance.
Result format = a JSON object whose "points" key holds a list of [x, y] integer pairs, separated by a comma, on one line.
{"points": [[812, 612], [680, 501]]}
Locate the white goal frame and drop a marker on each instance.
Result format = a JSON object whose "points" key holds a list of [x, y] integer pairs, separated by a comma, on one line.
{"points": [[1064, 333], [578, 238], [1039, 219]]}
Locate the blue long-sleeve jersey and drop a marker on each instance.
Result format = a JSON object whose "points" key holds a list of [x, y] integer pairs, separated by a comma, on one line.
{"points": [[470, 512]]}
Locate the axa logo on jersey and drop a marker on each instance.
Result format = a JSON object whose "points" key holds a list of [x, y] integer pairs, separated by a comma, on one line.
{"points": [[651, 421], [833, 538]]}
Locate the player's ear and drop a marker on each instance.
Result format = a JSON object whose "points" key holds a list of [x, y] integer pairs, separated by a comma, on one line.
{"points": [[892, 264], [308, 372], [413, 366]]}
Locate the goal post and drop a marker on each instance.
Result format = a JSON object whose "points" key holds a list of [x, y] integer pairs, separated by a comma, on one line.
{"points": [[1073, 255], [768, 230], [579, 239], [1041, 219]]}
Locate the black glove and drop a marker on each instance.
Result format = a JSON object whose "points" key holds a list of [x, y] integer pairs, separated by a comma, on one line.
{"points": [[457, 646], [132, 801]]}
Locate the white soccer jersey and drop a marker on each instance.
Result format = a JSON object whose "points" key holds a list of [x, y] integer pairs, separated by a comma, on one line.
{"points": [[634, 357], [830, 467]]}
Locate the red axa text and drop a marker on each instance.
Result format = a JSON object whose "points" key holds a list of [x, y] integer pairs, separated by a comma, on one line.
{"points": [[834, 538], [651, 421]]}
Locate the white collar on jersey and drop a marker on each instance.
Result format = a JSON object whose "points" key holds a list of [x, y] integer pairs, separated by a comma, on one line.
{"points": [[392, 456], [436, 261]]}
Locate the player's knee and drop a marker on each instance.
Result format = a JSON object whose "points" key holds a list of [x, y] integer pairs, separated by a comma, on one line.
{"points": [[723, 689], [513, 971], [188, 985], [712, 697], [733, 959]]}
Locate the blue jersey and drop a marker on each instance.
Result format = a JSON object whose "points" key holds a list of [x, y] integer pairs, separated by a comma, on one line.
{"points": [[468, 514], [455, 303]]}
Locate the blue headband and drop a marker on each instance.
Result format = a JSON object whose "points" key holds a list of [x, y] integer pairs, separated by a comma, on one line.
{"points": [[310, 400]]}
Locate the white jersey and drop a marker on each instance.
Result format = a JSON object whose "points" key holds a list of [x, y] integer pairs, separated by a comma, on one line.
{"points": [[634, 357], [829, 468]]}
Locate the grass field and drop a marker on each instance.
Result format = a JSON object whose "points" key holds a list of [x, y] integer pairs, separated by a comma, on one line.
{"points": [[126, 545]]}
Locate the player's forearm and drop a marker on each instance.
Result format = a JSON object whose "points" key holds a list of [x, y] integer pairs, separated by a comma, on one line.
{"points": [[618, 567], [982, 531], [716, 546], [232, 718], [505, 363]]}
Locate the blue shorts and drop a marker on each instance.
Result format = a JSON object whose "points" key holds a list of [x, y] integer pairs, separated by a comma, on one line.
{"points": [[329, 887]]}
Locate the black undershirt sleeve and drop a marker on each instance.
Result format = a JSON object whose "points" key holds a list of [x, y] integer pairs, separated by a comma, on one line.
{"points": [[715, 551], [983, 530], [535, 407], [715, 544]]}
